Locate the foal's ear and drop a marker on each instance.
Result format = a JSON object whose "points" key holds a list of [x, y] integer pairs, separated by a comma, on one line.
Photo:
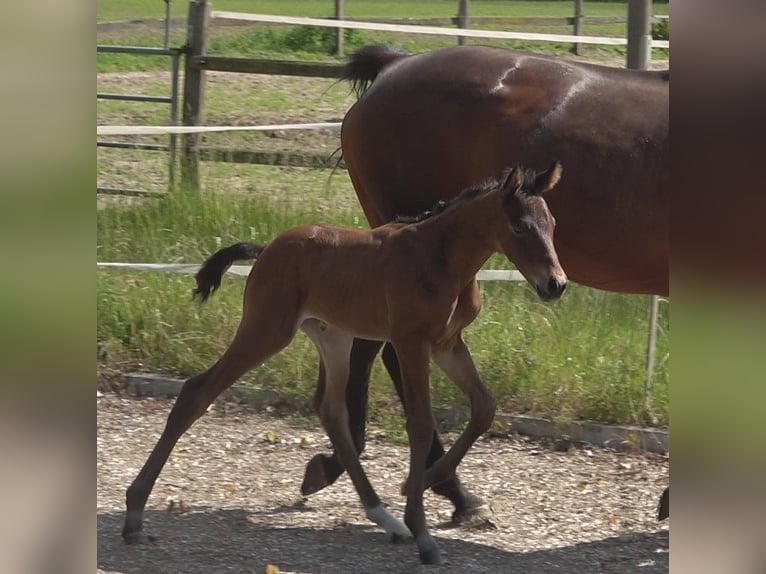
{"points": [[548, 179], [514, 181]]}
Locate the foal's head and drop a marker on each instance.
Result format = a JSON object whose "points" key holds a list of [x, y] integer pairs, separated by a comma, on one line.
{"points": [[526, 237]]}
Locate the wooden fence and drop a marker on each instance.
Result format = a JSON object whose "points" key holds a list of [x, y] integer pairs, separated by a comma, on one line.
{"points": [[198, 62]]}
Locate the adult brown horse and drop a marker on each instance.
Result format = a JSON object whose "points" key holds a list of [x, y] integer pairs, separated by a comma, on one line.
{"points": [[431, 124]]}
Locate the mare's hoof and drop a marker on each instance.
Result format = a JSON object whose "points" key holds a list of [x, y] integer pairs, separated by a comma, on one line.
{"points": [[137, 537], [663, 508], [431, 556], [315, 478], [397, 538], [475, 512]]}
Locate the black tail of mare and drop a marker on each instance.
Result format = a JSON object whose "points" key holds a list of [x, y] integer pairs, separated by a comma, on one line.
{"points": [[364, 65]]}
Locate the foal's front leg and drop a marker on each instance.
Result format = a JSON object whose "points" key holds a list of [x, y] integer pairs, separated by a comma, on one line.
{"points": [[414, 355], [468, 506]]}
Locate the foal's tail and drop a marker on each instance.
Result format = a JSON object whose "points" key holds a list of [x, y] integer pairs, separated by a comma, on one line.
{"points": [[209, 275], [366, 63]]}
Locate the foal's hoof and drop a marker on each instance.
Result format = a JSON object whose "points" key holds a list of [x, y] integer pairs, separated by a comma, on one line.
{"points": [[316, 477], [137, 537]]}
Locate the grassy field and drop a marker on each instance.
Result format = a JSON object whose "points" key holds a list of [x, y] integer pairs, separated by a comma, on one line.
{"points": [[583, 358]]}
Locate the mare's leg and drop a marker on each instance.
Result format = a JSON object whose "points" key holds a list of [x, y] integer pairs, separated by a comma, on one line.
{"points": [[335, 346], [414, 358], [457, 364], [256, 340], [468, 506], [324, 469]]}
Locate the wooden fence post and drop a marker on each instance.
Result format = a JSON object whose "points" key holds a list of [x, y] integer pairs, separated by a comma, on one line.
{"points": [[639, 58], [194, 91], [650, 352], [462, 18], [639, 34], [578, 16], [339, 31]]}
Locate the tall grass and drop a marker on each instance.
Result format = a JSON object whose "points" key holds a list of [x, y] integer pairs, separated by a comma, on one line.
{"points": [[582, 358]]}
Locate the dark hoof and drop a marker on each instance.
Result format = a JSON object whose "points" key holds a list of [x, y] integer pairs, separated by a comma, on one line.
{"points": [[475, 511], [320, 472], [399, 539], [432, 557], [137, 538], [663, 508]]}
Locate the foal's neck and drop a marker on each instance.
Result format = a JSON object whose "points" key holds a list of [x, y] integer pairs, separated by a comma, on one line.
{"points": [[466, 233]]}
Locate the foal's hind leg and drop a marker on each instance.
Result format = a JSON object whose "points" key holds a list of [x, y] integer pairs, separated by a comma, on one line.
{"points": [[468, 506], [334, 346], [324, 469], [252, 345]]}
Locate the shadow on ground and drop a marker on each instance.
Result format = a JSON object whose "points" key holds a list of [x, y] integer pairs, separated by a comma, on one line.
{"points": [[211, 541]]}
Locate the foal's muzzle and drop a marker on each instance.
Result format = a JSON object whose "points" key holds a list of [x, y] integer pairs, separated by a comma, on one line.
{"points": [[552, 290]]}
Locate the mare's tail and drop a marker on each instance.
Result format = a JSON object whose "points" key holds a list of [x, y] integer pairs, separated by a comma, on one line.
{"points": [[366, 63], [209, 275]]}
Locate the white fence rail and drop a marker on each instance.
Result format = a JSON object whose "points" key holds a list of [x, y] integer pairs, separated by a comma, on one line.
{"points": [[163, 130], [429, 30], [483, 275]]}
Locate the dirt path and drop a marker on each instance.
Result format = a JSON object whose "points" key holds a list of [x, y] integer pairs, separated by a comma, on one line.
{"points": [[229, 501]]}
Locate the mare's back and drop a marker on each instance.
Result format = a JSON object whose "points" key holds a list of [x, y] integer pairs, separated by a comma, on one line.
{"points": [[435, 123]]}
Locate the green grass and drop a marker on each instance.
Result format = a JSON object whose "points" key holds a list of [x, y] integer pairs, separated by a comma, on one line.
{"points": [[188, 227], [582, 358]]}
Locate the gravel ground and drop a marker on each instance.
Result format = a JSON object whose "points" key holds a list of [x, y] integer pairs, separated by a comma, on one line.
{"points": [[228, 501]]}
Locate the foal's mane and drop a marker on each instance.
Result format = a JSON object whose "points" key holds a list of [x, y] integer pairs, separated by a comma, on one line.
{"points": [[467, 194]]}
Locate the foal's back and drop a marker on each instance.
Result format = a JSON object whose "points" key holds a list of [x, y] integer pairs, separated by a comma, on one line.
{"points": [[333, 273]]}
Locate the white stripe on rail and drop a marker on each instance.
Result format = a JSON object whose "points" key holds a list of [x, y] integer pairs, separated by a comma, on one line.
{"points": [[483, 275], [161, 130], [430, 30]]}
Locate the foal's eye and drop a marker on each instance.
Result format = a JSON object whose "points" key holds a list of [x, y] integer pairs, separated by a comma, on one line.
{"points": [[517, 229]]}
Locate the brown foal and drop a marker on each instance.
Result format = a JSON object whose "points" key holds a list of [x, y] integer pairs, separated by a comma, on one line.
{"points": [[412, 284]]}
